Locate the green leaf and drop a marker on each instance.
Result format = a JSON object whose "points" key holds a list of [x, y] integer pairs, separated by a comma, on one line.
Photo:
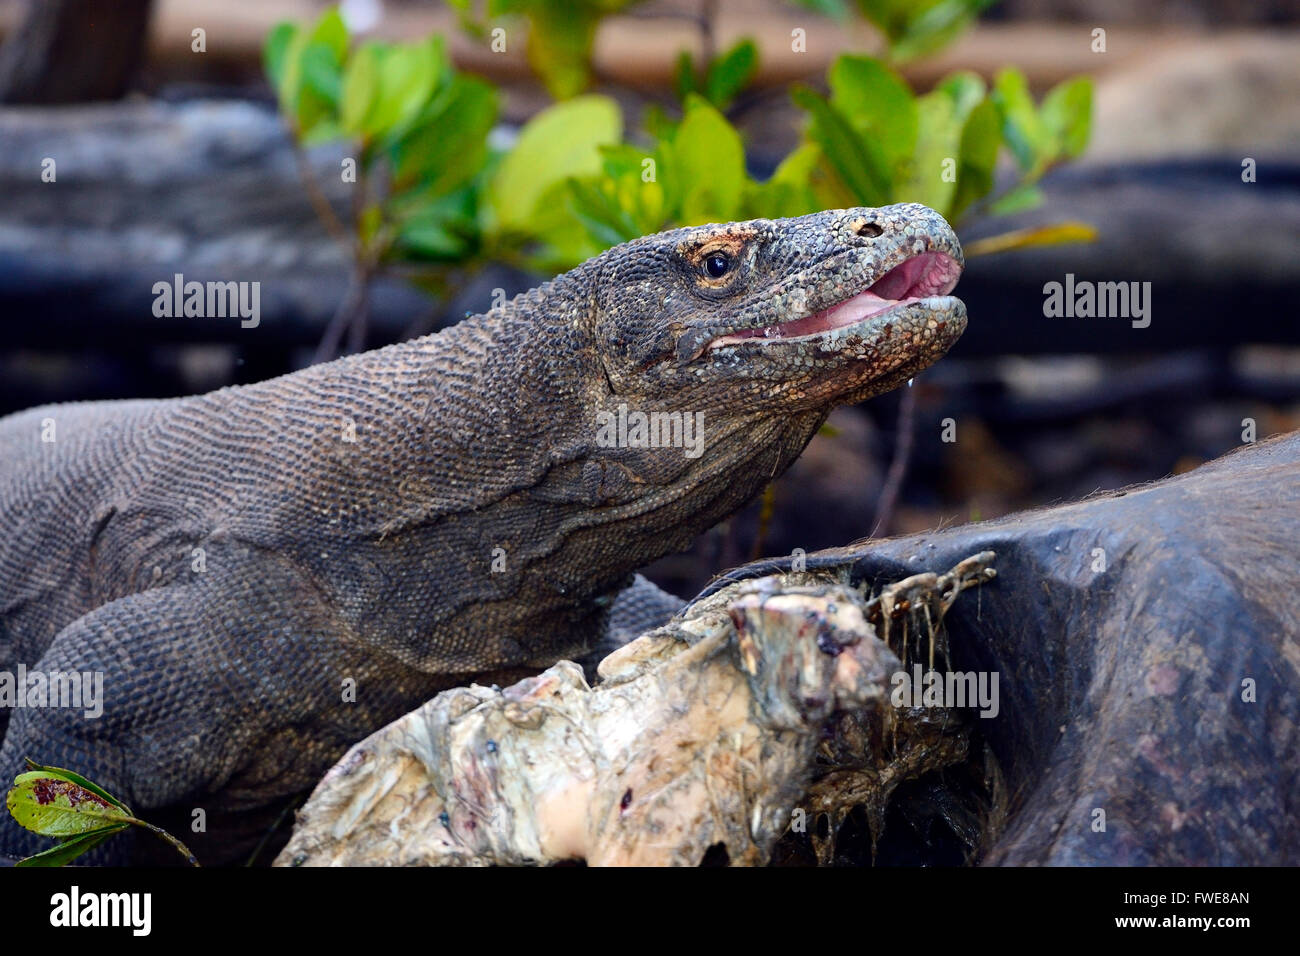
{"points": [[323, 131], [684, 82], [60, 803], [944, 135], [432, 238], [322, 74], [80, 781], [560, 40], [454, 213], [1022, 128], [729, 73], [658, 125], [637, 202], [980, 139], [621, 159], [835, 9], [274, 54], [858, 166], [52, 804], [709, 165], [891, 17], [938, 145], [561, 141], [305, 66], [670, 184], [331, 33], [302, 106], [447, 144], [878, 105], [385, 87], [928, 29], [1067, 114], [68, 850], [1023, 197], [605, 222], [967, 91], [360, 88], [408, 76], [565, 242], [788, 192]]}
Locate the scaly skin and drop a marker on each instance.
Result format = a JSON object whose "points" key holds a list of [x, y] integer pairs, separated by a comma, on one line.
{"points": [[231, 562]]}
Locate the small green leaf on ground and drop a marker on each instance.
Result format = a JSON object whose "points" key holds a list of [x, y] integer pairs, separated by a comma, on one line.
{"points": [[50, 803], [64, 853]]}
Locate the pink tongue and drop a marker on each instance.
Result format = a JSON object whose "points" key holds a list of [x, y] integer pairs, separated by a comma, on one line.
{"points": [[861, 306], [927, 274]]}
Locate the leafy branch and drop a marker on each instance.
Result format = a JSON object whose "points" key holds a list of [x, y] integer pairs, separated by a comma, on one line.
{"points": [[417, 131], [430, 191], [59, 803]]}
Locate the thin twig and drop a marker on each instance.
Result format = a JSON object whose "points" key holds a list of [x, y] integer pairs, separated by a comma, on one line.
{"points": [[354, 301], [708, 40], [319, 202], [352, 311], [292, 805], [898, 467], [162, 834], [357, 327]]}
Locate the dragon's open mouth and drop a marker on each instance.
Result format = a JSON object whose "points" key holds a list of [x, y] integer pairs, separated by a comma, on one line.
{"points": [[921, 276]]}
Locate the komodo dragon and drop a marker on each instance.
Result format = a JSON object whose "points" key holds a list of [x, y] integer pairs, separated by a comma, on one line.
{"points": [[265, 574]]}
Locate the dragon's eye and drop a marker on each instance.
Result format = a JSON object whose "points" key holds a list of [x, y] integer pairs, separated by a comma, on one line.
{"points": [[716, 264]]}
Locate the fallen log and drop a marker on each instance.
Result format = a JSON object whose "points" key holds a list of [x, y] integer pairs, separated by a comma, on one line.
{"points": [[1147, 642]]}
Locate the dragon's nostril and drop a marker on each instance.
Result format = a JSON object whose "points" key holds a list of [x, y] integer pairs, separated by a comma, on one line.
{"points": [[869, 229]]}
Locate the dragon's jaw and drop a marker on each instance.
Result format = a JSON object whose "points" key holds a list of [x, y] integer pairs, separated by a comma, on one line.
{"points": [[926, 276]]}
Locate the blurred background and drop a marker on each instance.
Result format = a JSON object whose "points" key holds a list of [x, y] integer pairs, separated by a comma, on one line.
{"points": [[495, 143]]}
